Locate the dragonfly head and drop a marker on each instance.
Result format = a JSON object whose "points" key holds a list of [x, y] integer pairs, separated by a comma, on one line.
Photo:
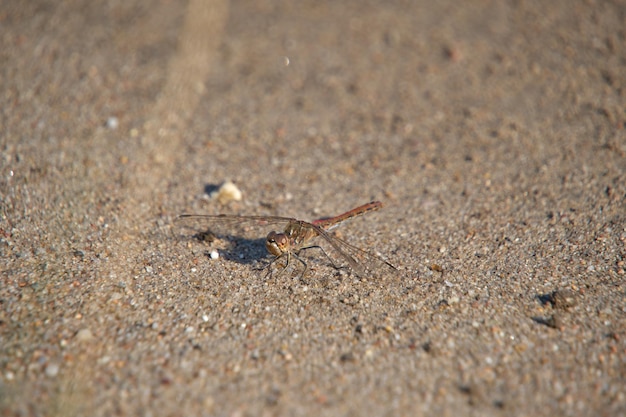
{"points": [[276, 243]]}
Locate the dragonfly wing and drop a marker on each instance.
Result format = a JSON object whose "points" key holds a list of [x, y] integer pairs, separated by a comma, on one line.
{"points": [[244, 236], [359, 259], [231, 226]]}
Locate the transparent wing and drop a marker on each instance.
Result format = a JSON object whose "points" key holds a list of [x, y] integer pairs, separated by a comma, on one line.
{"points": [[244, 236], [359, 259], [228, 226]]}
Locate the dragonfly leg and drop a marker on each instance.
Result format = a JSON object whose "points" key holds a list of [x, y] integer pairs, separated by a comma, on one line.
{"points": [[285, 266], [270, 266], [325, 254], [306, 267], [287, 263]]}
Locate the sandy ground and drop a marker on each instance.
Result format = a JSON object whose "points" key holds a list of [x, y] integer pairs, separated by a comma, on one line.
{"points": [[493, 131]]}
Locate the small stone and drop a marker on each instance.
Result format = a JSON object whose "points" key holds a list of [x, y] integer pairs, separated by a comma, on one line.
{"points": [[227, 192], [113, 123], [564, 299], [52, 370], [84, 335], [347, 357], [214, 254], [554, 321]]}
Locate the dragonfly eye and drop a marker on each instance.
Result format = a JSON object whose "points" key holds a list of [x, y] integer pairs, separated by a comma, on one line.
{"points": [[275, 243]]}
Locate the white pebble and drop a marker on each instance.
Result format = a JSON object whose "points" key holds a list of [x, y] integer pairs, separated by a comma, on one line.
{"points": [[227, 192], [113, 123], [214, 254], [84, 335], [52, 370]]}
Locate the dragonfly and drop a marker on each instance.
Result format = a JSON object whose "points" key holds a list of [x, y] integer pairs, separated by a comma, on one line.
{"points": [[299, 235]]}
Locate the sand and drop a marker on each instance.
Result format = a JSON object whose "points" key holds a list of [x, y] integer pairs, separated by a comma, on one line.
{"points": [[493, 132]]}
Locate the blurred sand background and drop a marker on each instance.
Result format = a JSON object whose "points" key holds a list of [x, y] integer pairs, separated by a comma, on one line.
{"points": [[494, 132]]}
